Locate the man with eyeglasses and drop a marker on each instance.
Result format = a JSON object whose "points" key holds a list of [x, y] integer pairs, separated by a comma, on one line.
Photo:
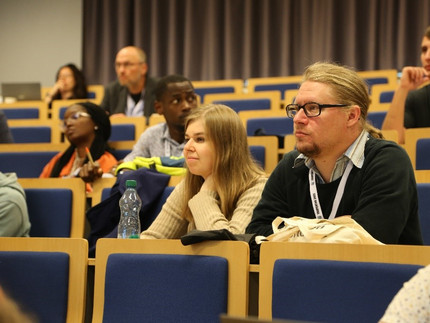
{"points": [[342, 166], [131, 94]]}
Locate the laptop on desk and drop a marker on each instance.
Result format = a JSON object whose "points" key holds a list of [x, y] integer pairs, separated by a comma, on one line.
{"points": [[21, 91]]}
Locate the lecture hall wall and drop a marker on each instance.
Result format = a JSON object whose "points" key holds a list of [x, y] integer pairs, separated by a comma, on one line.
{"points": [[38, 36]]}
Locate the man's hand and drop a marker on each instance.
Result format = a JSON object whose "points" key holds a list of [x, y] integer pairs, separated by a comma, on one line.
{"points": [[413, 77]]}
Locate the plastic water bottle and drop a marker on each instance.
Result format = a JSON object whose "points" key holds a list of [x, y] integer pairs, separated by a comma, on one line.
{"points": [[129, 204]]}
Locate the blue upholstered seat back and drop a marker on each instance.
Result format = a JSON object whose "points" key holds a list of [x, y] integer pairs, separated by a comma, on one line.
{"points": [[50, 211], [120, 154], [422, 159], [259, 154], [376, 118], [202, 91], [386, 96], [31, 134], [246, 104], [122, 132], [22, 113], [155, 210], [26, 164], [277, 126], [165, 288], [105, 193], [277, 87], [424, 210], [38, 281], [335, 291], [375, 80]]}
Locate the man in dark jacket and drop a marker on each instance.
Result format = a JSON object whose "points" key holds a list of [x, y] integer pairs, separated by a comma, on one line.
{"points": [[131, 94]]}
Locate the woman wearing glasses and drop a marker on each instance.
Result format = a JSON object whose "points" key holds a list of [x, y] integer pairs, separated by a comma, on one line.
{"points": [[86, 125], [69, 84]]}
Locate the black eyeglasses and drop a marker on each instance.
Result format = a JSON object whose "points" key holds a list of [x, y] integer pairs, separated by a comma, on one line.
{"points": [[311, 109]]}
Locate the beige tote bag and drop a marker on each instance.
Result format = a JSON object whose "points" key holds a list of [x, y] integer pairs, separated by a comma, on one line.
{"points": [[342, 229]]}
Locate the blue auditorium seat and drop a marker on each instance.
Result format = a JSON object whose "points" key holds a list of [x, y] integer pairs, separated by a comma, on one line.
{"points": [[386, 96], [424, 210], [422, 157], [259, 154], [22, 113], [277, 87], [50, 211], [246, 104], [336, 291], [277, 126], [46, 276], [376, 118], [161, 280], [213, 90], [25, 164], [123, 132], [31, 134]]}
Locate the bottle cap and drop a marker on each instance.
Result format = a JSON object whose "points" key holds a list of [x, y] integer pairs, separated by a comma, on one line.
{"points": [[130, 183]]}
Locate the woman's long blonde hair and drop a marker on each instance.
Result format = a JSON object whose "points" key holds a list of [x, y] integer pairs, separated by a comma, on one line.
{"points": [[234, 168]]}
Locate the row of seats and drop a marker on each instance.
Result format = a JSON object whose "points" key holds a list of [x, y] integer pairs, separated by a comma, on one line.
{"points": [[50, 131], [31, 121], [15, 157], [130, 128], [164, 281], [269, 138], [38, 109], [57, 206], [380, 80], [254, 93]]}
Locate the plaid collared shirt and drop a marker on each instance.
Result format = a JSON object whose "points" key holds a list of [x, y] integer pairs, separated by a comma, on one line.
{"points": [[354, 153]]}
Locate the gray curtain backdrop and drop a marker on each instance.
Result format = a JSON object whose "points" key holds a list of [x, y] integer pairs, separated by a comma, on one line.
{"points": [[226, 39]]}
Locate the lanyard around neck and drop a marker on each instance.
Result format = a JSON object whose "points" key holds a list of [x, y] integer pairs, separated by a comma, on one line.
{"points": [[339, 193]]}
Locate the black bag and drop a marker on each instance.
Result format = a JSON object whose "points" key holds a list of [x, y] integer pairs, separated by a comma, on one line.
{"points": [[197, 236], [104, 217]]}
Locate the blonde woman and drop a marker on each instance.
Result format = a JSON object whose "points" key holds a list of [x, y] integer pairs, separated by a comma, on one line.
{"points": [[223, 183]]}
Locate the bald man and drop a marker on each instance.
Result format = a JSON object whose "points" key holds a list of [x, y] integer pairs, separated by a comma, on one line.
{"points": [[131, 94]]}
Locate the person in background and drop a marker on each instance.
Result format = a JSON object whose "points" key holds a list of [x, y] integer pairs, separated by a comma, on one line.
{"points": [[412, 302], [14, 221], [69, 84], [341, 165], [5, 133], [222, 184], [86, 125], [410, 107], [131, 94], [175, 98]]}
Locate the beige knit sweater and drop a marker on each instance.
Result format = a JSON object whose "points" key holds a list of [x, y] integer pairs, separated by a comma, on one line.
{"points": [[207, 215]]}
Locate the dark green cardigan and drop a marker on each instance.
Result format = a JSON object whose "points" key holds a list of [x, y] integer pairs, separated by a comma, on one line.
{"points": [[381, 196]]}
